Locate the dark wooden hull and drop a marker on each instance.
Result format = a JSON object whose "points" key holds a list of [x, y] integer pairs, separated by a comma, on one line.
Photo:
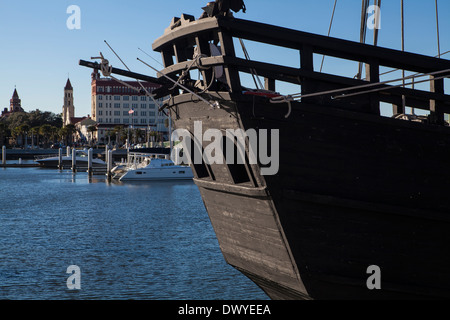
{"points": [[353, 190]]}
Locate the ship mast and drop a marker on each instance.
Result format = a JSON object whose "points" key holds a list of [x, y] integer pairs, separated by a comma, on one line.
{"points": [[437, 29], [363, 30]]}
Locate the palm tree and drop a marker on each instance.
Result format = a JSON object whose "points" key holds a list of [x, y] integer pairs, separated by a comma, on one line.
{"points": [[45, 130], [138, 135], [71, 130], [63, 134], [21, 131], [153, 135], [54, 133], [66, 133], [3, 132], [34, 132], [120, 133], [24, 129]]}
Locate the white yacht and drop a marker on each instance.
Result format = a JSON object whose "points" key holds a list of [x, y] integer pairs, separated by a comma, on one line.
{"points": [[156, 169]]}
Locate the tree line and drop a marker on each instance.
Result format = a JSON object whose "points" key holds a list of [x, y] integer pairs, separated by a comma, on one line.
{"points": [[42, 128], [39, 128]]}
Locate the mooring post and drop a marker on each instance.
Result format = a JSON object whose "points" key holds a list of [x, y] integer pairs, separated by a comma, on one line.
{"points": [[4, 154], [109, 165], [60, 161], [90, 162], [106, 154], [74, 160]]}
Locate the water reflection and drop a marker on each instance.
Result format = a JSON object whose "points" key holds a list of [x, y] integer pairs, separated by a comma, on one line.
{"points": [[138, 240]]}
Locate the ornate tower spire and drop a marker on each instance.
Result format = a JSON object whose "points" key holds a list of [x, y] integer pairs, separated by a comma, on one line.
{"points": [[68, 85], [15, 103], [68, 107]]}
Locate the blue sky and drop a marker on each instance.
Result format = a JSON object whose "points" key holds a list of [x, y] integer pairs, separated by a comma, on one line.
{"points": [[38, 51]]}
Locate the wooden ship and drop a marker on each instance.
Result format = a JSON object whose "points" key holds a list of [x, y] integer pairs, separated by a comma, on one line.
{"points": [[354, 188]]}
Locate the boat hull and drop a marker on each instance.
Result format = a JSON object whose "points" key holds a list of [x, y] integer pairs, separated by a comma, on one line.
{"points": [[67, 161], [353, 190], [158, 174]]}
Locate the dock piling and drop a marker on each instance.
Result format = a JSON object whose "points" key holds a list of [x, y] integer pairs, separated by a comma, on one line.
{"points": [[74, 160], [60, 160], [4, 155], [89, 170], [109, 164]]}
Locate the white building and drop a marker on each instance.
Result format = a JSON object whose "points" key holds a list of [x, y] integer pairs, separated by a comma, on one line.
{"points": [[82, 132], [114, 104]]}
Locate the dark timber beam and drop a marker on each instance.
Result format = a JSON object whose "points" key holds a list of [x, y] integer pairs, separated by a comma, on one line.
{"points": [[373, 76], [345, 49], [307, 64], [269, 84], [436, 106], [232, 75]]}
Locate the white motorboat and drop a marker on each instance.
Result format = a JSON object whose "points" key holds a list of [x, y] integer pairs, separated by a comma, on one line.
{"points": [[81, 160], [154, 169]]}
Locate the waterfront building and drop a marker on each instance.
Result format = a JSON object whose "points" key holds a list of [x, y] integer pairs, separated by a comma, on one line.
{"points": [[115, 104], [82, 133]]}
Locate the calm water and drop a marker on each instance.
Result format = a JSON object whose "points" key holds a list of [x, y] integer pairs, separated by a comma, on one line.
{"points": [[131, 241]]}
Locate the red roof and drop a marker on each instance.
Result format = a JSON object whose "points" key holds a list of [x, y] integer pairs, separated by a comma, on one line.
{"points": [[74, 120]]}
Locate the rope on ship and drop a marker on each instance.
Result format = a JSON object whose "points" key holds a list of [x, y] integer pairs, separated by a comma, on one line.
{"points": [[213, 105], [299, 96], [329, 31], [365, 5], [437, 29], [252, 71], [106, 70], [195, 61]]}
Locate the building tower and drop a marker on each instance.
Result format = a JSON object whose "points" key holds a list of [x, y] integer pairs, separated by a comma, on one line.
{"points": [[15, 103], [68, 107]]}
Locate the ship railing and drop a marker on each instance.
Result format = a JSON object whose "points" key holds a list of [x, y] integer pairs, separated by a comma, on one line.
{"points": [[182, 41]]}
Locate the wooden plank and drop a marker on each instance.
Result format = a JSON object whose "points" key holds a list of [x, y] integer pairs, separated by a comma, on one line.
{"points": [[269, 84], [397, 106], [293, 75], [203, 48], [332, 46], [167, 57], [194, 28], [373, 76], [232, 75], [307, 64], [415, 98], [180, 52], [436, 106]]}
